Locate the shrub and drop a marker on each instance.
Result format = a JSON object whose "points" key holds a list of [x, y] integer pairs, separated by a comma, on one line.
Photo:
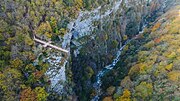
{"points": [[108, 99], [89, 72], [16, 63], [29, 41], [157, 40], [134, 70], [27, 95], [114, 44], [41, 94], [174, 76], [170, 55], [156, 26], [149, 44], [169, 67], [44, 29], [126, 83], [125, 97], [110, 90], [144, 90]]}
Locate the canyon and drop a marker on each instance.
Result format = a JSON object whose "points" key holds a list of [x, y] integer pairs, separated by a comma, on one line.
{"points": [[89, 50]]}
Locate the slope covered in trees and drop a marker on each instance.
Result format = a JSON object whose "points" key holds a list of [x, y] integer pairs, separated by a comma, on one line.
{"points": [[20, 19], [20, 76], [23, 69], [153, 60]]}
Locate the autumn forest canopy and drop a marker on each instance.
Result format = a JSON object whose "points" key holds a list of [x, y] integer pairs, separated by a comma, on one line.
{"points": [[147, 69]]}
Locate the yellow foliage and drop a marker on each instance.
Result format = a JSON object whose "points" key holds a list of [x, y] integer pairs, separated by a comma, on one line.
{"points": [[126, 47], [142, 55], [178, 50], [16, 74], [79, 4], [16, 63], [174, 27], [125, 37], [126, 93], [53, 21], [30, 67], [170, 55], [63, 31], [161, 68], [174, 76], [156, 73], [169, 67], [142, 67], [10, 79], [38, 94], [2, 82], [23, 86], [54, 1], [125, 97], [9, 40], [41, 94], [29, 41], [49, 35], [138, 68], [44, 29], [173, 42]]}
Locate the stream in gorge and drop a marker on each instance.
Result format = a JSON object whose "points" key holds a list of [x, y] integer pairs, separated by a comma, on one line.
{"points": [[108, 68], [83, 26]]}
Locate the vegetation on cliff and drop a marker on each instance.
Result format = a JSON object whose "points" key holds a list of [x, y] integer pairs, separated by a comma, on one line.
{"points": [[21, 77]]}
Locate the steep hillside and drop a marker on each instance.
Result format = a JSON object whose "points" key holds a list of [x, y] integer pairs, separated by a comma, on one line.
{"points": [[153, 60]]}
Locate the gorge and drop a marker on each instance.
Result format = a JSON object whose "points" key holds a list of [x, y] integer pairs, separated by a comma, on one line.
{"points": [[96, 57], [114, 50]]}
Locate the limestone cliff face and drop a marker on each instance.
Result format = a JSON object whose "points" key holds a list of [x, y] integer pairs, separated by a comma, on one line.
{"points": [[95, 44]]}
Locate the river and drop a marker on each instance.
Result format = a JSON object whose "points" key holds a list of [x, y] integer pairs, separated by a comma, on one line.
{"points": [[98, 83]]}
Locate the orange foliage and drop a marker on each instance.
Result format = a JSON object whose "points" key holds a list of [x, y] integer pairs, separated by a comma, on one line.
{"points": [[28, 95], [108, 99], [38, 74], [157, 40], [156, 26]]}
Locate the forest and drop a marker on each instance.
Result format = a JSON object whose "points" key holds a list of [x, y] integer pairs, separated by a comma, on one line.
{"points": [[146, 70]]}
